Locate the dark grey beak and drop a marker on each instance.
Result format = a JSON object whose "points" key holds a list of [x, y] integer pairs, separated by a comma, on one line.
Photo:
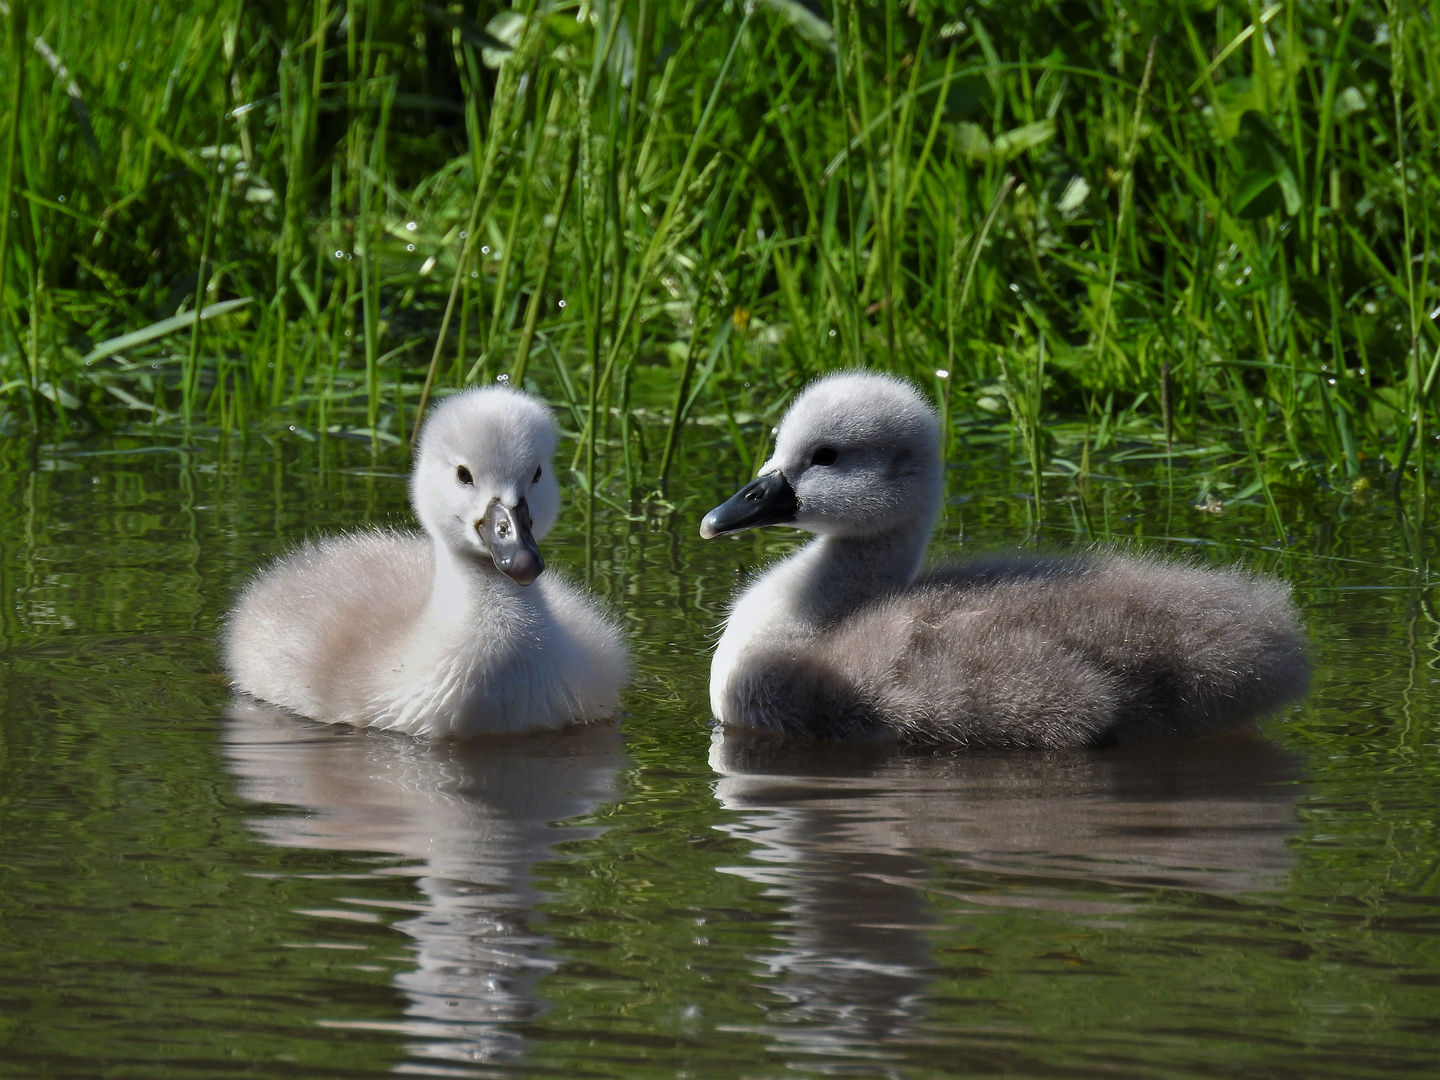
{"points": [[768, 500], [505, 533]]}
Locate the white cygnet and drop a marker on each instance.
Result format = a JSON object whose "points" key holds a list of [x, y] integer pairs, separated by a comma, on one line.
{"points": [[842, 640], [446, 632]]}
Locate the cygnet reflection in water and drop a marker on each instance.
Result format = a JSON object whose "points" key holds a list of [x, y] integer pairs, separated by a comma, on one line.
{"points": [[862, 842], [474, 817]]}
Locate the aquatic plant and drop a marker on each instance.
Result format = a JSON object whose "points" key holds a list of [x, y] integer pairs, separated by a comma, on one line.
{"points": [[1181, 222]]}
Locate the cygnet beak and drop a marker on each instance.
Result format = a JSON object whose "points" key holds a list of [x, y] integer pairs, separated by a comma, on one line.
{"points": [[767, 500], [505, 535]]}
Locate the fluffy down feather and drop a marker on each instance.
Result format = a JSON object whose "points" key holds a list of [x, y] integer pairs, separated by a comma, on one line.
{"points": [[421, 632], [844, 641]]}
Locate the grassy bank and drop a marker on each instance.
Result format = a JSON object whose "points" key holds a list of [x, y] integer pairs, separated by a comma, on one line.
{"points": [[1179, 222]]}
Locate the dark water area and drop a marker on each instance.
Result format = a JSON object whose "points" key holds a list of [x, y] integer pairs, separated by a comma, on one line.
{"points": [[194, 887]]}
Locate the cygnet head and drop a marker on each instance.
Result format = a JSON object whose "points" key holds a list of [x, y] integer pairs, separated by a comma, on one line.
{"points": [[857, 454], [483, 482]]}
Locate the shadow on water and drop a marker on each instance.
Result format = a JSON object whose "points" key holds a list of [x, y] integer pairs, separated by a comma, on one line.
{"points": [[469, 821]]}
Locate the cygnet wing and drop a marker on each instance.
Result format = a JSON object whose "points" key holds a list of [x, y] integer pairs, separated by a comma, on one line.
{"points": [[307, 633]]}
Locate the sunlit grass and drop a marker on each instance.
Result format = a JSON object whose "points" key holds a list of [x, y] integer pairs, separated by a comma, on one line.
{"points": [[1183, 223]]}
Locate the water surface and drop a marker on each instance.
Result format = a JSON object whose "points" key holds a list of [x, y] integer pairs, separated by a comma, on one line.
{"points": [[194, 887]]}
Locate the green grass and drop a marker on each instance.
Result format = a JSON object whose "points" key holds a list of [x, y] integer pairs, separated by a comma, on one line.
{"points": [[1186, 223]]}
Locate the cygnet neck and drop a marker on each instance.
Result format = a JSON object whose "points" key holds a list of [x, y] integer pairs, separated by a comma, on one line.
{"points": [[457, 575], [842, 572]]}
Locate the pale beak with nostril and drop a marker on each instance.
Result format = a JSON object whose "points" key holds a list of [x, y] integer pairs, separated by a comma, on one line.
{"points": [[505, 535]]}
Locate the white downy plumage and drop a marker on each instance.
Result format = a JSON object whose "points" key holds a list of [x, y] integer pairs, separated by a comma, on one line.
{"points": [[440, 633]]}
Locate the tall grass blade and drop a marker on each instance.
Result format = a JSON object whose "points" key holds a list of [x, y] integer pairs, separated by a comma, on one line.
{"points": [[124, 342]]}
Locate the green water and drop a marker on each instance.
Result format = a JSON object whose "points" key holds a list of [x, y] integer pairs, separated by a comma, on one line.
{"points": [[190, 888]]}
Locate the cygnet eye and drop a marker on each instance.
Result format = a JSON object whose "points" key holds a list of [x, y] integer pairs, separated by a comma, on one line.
{"points": [[824, 455], [536, 478], [463, 475]]}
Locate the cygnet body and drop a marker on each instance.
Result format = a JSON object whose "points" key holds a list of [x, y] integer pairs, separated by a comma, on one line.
{"points": [[844, 640], [446, 632]]}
